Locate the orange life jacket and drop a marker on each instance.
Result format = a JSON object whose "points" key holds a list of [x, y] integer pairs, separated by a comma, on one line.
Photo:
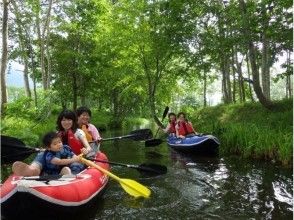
{"points": [[70, 139], [185, 128], [87, 132]]}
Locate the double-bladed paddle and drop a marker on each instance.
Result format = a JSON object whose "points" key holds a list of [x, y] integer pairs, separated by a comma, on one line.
{"points": [[13, 149], [163, 117], [155, 142]]}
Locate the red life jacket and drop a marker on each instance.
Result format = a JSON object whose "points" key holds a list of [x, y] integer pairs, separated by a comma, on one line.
{"points": [[185, 128], [172, 128], [70, 139]]}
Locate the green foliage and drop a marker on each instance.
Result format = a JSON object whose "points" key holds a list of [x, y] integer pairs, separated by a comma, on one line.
{"points": [[27, 122], [250, 130]]}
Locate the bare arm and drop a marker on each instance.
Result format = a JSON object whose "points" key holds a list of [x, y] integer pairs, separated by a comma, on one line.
{"points": [[58, 161], [165, 130], [193, 128], [87, 148]]}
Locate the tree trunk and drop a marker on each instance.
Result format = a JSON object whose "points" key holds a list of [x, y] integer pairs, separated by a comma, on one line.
{"points": [[224, 83], [33, 74], [41, 37], [4, 58], [265, 64], [252, 57], [249, 77], [26, 79], [234, 81], [41, 47], [265, 72], [47, 31], [288, 77], [240, 78], [204, 88], [74, 91]]}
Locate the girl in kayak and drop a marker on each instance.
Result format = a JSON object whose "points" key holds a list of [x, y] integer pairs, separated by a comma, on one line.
{"points": [[171, 126], [183, 126]]}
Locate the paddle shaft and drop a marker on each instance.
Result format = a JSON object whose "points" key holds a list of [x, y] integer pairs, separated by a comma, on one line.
{"points": [[163, 117], [118, 138], [116, 163], [92, 164]]}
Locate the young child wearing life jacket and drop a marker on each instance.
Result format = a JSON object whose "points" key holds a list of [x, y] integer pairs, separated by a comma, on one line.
{"points": [[171, 126], [59, 158], [183, 126]]}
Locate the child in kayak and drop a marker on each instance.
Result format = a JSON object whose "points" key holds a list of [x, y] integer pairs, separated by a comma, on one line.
{"points": [[171, 126], [184, 127], [59, 158]]}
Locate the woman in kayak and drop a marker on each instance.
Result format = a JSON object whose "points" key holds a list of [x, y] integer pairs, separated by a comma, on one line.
{"points": [[92, 134], [184, 127], [70, 134]]}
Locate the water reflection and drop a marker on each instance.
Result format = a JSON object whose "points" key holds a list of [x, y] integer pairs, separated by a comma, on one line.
{"points": [[197, 187], [282, 195]]}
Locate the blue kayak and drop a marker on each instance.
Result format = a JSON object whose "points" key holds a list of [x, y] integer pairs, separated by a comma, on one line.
{"points": [[198, 144]]}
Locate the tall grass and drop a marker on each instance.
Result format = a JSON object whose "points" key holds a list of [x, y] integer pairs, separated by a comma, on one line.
{"points": [[250, 130]]}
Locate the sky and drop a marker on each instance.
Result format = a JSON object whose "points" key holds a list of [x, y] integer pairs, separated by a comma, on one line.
{"points": [[14, 76]]}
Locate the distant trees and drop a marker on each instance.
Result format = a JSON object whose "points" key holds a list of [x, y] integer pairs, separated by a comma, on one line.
{"points": [[131, 56]]}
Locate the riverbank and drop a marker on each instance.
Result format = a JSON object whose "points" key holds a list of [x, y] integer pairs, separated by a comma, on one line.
{"points": [[250, 130]]}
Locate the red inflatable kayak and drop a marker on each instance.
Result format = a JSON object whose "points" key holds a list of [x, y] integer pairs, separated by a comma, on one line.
{"points": [[41, 198]]}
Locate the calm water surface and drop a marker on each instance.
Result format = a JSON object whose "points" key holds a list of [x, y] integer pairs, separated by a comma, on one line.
{"points": [[196, 187]]}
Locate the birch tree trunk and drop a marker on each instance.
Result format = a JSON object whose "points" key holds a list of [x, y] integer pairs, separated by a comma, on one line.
{"points": [[4, 57], [265, 71], [42, 37]]}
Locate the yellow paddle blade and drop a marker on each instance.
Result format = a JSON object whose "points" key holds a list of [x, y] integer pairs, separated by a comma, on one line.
{"points": [[134, 188]]}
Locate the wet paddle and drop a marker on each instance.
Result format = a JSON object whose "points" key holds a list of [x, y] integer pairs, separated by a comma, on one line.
{"points": [[137, 135], [13, 149], [145, 167], [132, 187], [155, 142]]}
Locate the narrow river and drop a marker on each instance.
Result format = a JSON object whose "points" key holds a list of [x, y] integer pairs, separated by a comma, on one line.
{"points": [[196, 187]]}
